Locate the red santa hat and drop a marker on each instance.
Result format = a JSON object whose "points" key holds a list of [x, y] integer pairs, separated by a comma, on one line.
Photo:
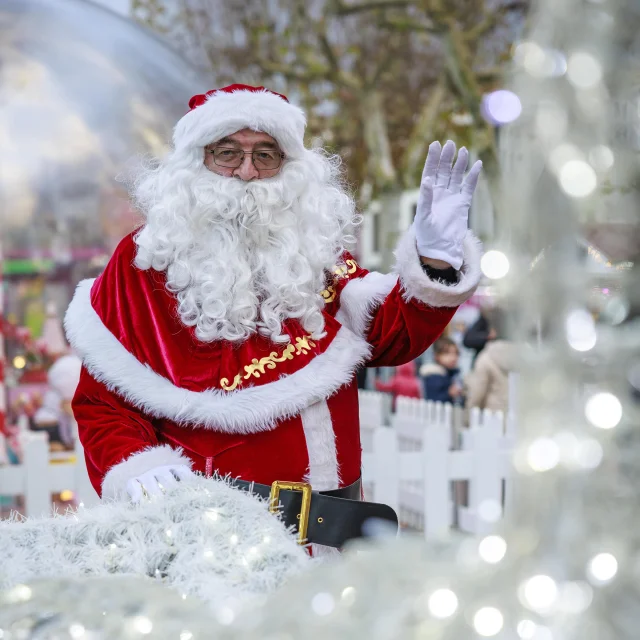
{"points": [[221, 112]]}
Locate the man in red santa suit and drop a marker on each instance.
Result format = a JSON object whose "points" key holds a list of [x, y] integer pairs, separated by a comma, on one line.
{"points": [[224, 335]]}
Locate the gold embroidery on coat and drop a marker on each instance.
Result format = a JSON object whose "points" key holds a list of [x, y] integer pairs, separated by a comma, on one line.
{"points": [[342, 271], [258, 367], [329, 294]]}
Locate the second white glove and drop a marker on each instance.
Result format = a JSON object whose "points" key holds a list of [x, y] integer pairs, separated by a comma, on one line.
{"points": [[157, 480], [442, 214]]}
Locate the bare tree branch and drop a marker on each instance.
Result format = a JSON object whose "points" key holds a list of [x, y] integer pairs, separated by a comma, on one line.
{"points": [[288, 72], [342, 9], [408, 24], [489, 75], [328, 52], [384, 66], [422, 133], [493, 19]]}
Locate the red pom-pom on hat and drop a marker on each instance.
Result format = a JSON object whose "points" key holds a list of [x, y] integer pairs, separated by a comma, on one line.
{"points": [[201, 98]]}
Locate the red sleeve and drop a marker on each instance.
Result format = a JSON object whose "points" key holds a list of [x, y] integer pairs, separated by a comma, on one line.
{"points": [[399, 314], [401, 331], [110, 429]]}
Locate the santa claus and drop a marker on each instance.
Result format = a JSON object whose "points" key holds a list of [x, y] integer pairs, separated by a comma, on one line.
{"points": [[224, 335]]}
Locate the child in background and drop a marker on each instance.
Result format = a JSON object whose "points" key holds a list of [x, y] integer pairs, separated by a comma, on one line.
{"points": [[403, 383], [441, 379]]}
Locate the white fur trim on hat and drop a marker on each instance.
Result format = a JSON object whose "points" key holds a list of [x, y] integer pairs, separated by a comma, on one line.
{"points": [[417, 285], [225, 113]]}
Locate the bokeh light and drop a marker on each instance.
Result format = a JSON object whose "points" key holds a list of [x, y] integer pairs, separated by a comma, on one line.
{"points": [[601, 157], [583, 70], [488, 621], [581, 330], [577, 178], [494, 264], [603, 410], [443, 603], [603, 567], [575, 597], [526, 629], [501, 107], [561, 154], [588, 453], [323, 604], [539, 593], [492, 549], [543, 454], [142, 625], [490, 510], [540, 62]]}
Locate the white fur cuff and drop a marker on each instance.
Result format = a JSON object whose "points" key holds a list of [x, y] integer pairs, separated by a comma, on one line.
{"points": [[114, 484], [361, 298], [417, 285]]}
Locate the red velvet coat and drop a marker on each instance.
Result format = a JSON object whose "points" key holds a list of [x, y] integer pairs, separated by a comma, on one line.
{"points": [[151, 394]]}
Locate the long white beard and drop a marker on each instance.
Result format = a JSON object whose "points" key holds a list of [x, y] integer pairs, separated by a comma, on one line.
{"points": [[243, 257]]}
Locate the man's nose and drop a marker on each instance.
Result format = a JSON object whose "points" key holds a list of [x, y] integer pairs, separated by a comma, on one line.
{"points": [[246, 171]]}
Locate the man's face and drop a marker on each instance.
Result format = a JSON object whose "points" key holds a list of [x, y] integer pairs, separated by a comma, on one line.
{"points": [[228, 151]]}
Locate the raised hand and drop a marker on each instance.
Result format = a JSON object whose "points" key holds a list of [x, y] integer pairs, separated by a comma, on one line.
{"points": [[442, 215]]}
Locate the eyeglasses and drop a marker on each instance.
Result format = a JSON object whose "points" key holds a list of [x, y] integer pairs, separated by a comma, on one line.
{"points": [[265, 159]]}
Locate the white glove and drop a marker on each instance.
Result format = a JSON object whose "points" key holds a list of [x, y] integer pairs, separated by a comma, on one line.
{"points": [[443, 204], [156, 481]]}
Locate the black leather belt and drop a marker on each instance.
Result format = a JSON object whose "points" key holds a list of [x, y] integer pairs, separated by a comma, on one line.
{"points": [[331, 518]]}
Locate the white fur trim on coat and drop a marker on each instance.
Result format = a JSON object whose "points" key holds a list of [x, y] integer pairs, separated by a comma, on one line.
{"points": [[114, 484], [225, 113], [248, 410], [361, 297], [323, 472], [417, 285]]}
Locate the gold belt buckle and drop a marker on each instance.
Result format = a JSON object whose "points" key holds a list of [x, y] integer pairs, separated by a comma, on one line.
{"points": [[303, 487]]}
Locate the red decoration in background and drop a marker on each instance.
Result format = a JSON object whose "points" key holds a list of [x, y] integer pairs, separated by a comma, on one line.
{"points": [[35, 351], [3, 391]]}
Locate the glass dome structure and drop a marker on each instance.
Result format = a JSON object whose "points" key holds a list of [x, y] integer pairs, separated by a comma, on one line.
{"points": [[82, 90]]}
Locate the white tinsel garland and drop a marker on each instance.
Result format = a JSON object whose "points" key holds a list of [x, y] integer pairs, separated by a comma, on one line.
{"points": [[102, 608], [204, 539]]}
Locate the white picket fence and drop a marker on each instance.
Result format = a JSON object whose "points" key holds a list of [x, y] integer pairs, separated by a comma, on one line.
{"points": [[411, 464], [41, 474], [410, 460]]}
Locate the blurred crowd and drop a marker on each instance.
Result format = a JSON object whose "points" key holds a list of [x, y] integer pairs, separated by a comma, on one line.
{"points": [[468, 366]]}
